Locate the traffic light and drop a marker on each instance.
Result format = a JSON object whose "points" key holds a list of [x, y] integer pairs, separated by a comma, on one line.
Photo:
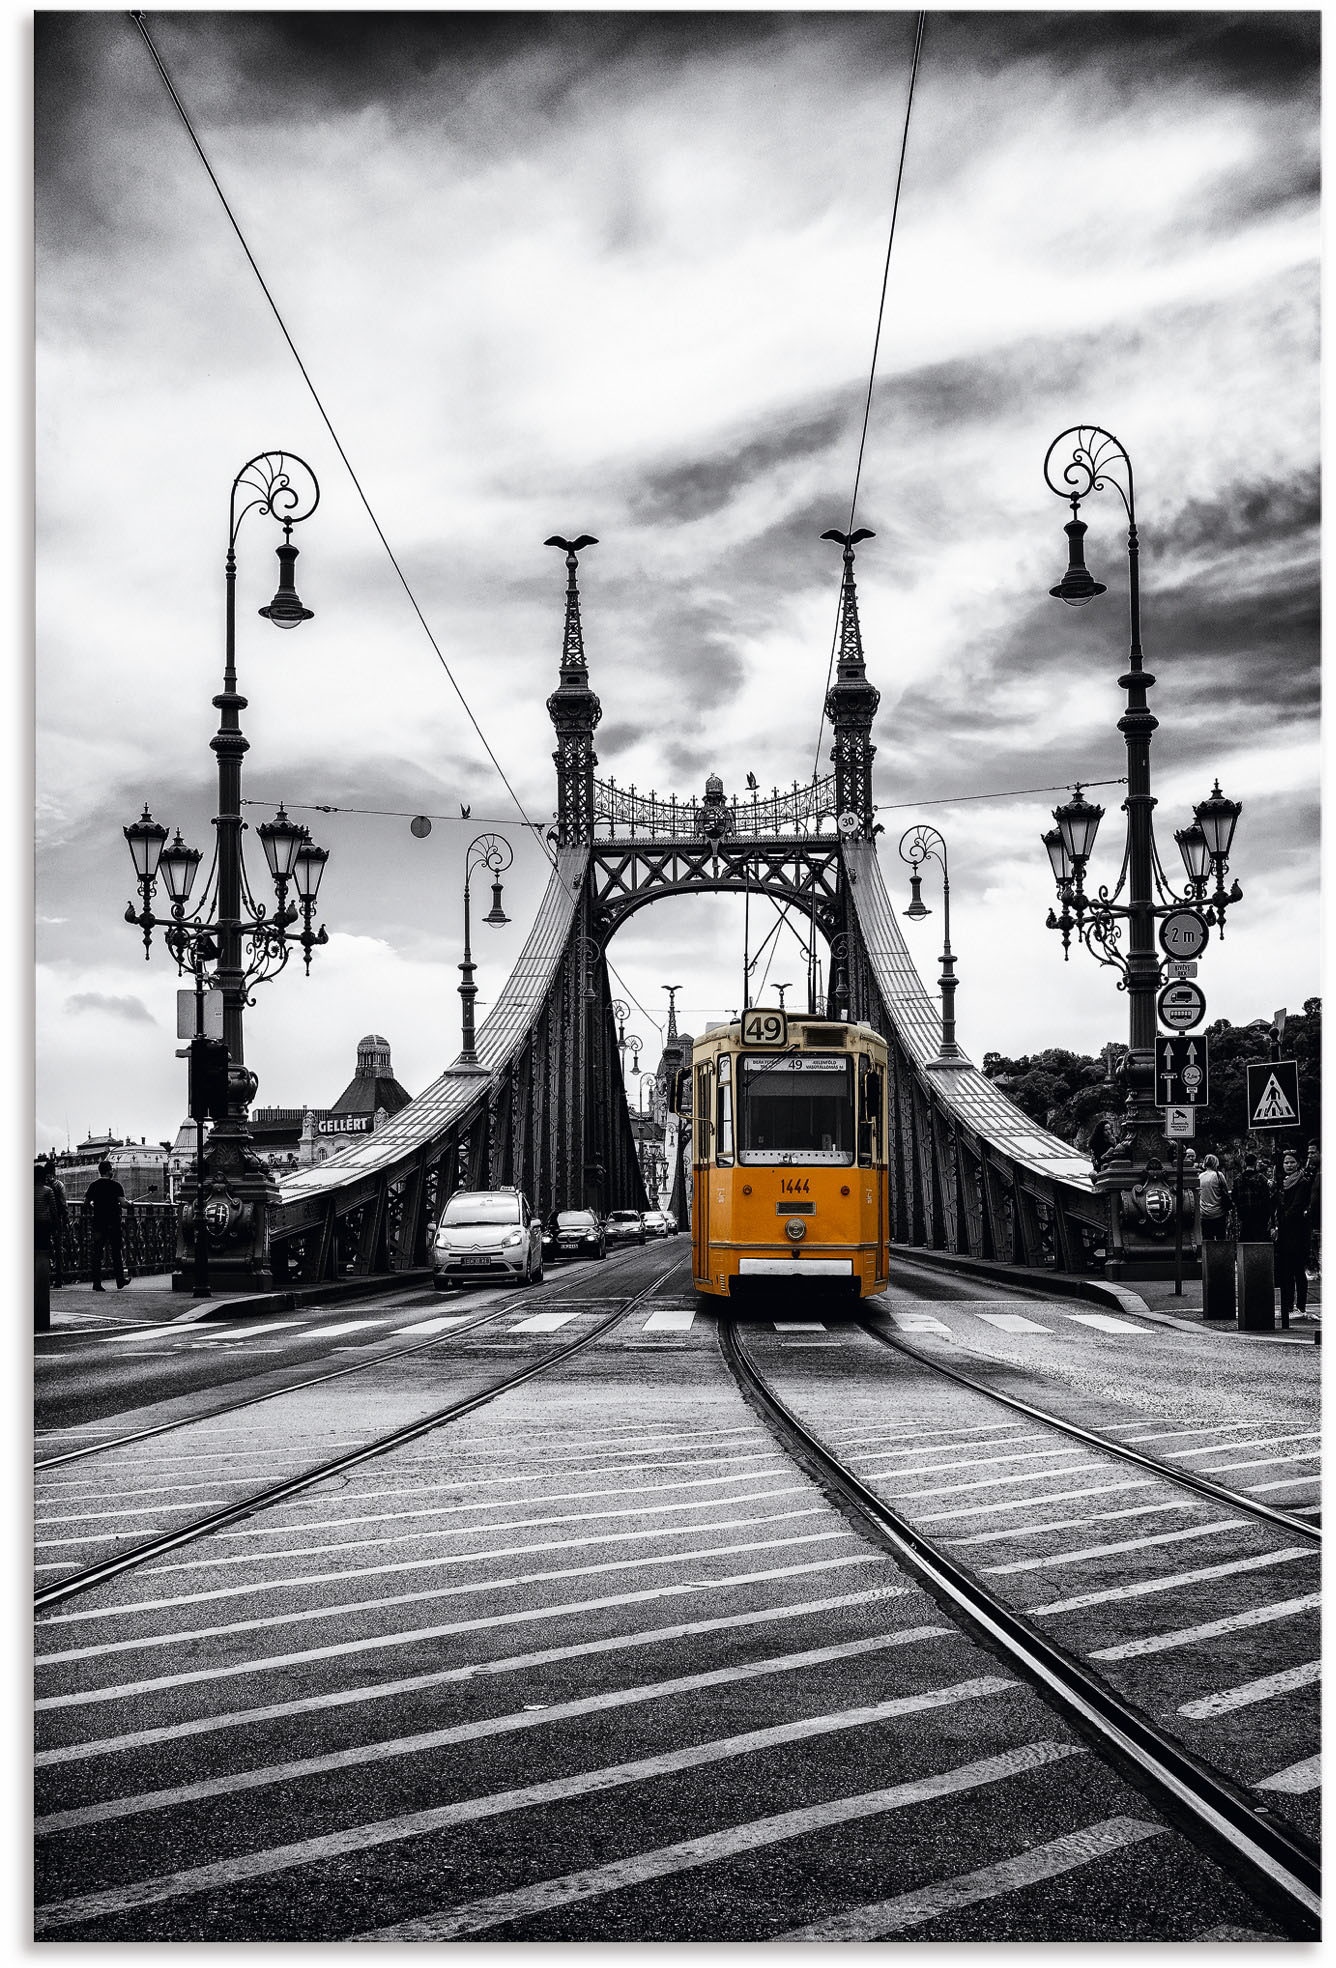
{"points": [[208, 1080]]}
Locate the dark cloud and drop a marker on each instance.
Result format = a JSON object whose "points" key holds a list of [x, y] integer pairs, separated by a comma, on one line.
{"points": [[686, 492], [133, 1009]]}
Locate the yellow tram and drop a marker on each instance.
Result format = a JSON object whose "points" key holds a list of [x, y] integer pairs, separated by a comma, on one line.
{"points": [[788, 1151]]}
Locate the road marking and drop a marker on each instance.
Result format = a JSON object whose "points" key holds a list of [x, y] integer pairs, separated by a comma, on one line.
{"points": [[1187, 1636], [547, 1895], [472, 1810], [306, 1614], [973, 1461], [913, 1436], [544, 1322], [985, 1483], [251, 1588], [669, 1321], [798, 1325], [100, 1516], [1296, 1779], [1050, 1861], [1263, 1462], [919, 1322], [133, 1690], [1055, 1558], [1207, 1707], [1258, 1442], [1012, 1322], [432, 1325], [1289, 1555], [1285, 1483], [1206, 1428], [153, 1331], [1104, 1322], [248, 1332], [1076, 1523], [464, 1732], [248, 1718], [337, 1332]]}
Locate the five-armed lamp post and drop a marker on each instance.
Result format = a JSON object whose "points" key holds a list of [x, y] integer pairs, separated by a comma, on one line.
{"points": [[228, 927], [917, 845], [1082, 460], [493, 852]]}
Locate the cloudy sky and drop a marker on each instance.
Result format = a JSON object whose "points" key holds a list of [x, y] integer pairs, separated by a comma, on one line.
{"points": [[618, 274]]}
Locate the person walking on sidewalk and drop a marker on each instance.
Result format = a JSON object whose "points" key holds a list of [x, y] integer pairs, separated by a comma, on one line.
{"points": [[1252, 1203], [1214, 1200], [57, 1188], [103, 1203], [1293, 1232], [46, 1228]]}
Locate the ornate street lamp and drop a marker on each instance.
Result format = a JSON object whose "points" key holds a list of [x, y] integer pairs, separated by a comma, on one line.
{"points": [[493, 852], [634, 1043], [1081, 460], [917, 845], [245, 940]]}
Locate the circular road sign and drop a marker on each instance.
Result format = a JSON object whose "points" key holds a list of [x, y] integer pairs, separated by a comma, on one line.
{"points": [[1184, 934], [1181, 1005]]}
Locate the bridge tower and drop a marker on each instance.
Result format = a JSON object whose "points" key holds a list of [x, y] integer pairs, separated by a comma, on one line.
{"points": [[851, 705], [575, 711]]}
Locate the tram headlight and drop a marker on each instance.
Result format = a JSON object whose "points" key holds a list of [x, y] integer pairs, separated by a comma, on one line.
{"points": [[795, 1229]]}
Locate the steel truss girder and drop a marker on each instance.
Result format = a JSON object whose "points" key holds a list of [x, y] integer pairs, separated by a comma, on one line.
{"points": [[626, 875]]}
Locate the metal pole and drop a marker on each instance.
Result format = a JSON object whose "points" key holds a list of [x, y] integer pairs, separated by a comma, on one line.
{"points": [[201, 1286], [468, 990], [1178, 1220], [230, 747], [948, 979]]}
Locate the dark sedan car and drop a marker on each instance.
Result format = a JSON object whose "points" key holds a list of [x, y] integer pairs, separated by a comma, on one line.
{"points": [[574, 1233]]}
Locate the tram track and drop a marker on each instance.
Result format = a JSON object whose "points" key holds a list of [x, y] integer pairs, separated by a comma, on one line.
{"points": [[135, 1556], [1278, 1863]]}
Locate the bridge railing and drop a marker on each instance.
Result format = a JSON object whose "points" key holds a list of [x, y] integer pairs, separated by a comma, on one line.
{"points": [[645, 816]]}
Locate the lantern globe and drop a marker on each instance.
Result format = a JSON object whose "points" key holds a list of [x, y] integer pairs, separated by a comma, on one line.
{"points": [[1078, 585], [918, 908], [285, 611], [145, 841], [1059, 859], [1194, 850], [308, 867], [281, 839], [1217, 817], [496, 915], [1079, 822], [178, 865]]}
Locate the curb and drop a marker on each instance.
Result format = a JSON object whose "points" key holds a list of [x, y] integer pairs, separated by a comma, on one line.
{"points": [[256, 1303]]}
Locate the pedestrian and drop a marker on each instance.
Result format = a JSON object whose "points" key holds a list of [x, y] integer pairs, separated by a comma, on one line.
{"points": [[57, 1188], [1214, 1200], [44, 1206], [103, 1203], [1252, 1203], [1292, 1231]]}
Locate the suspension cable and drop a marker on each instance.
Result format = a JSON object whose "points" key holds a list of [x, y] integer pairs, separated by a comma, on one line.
{"points": [[139, 22], [872, 373]]}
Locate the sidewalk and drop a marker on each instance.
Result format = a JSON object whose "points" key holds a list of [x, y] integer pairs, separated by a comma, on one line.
{"points": [[151, 1300]]}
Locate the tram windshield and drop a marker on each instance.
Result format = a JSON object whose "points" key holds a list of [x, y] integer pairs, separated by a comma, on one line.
{"points": [[796, 1107]]}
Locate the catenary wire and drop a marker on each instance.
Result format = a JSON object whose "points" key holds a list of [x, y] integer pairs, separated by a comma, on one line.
{"points": [[139, 22], [872, 373]]}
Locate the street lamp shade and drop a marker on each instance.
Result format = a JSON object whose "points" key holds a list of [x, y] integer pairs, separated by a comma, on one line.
{"points": [[285, 611], [308, 866], [1196, 854], [918, 908], [178, 864], [1059, 858], [1077, 585], [1217, 817], [145, 841], [1078, 821], [280, 839], [496, 915]]}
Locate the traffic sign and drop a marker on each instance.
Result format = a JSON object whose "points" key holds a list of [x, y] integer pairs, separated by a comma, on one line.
{"points": [[761, 1026], [1182, 1072], [1180, 1123], [1183, 934], [1273, 1094], [213, 1014], [1181, 1005], [1180, 966]]}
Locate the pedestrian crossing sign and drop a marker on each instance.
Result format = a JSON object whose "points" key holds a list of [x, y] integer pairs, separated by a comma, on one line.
{"points": [[1273, 1094]]}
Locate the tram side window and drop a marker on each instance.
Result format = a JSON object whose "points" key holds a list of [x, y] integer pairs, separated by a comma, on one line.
{"points": [[869, 1112], [723, 1144], [702, 1110]]}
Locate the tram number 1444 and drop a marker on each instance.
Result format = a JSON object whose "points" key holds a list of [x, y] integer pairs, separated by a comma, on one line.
{"points": [[794, 1185]]}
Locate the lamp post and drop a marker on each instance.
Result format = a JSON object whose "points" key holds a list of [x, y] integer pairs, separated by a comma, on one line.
{"points": [[493, 852], [1081, 460], [245, 941], [633, 1044], [917, 845]]}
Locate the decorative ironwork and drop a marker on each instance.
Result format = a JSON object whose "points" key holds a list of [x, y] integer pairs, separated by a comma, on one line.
{"points": [[806, 809], [851, 705], [575, 711]]}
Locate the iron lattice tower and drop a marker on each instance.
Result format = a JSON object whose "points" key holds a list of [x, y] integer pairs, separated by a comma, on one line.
{"points": [[574, 710], [851, 704]]}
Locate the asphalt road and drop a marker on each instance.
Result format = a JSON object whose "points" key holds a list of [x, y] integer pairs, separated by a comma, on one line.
{"points": [[600, 1663]]}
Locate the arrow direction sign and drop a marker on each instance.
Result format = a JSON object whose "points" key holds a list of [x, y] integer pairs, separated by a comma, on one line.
{"points": [[1182, 1072], [1273, 1094]]}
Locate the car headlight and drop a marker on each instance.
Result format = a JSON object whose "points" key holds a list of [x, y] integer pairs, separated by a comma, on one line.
{"points": [[512, 1237]]}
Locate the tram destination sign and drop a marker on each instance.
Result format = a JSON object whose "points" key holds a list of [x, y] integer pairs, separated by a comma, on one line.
{"points": [[761, 1027], [1184, 934], [1181, 1005], [1182, 1071]]}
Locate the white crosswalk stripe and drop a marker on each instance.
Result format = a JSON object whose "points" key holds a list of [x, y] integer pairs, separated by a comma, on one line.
{"points": [[1104, 1322], [544, 1322], [669, 1321], [1013, 1322]]}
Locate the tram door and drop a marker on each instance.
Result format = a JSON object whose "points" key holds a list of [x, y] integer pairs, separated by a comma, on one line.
{"points": [[700, 1188]]}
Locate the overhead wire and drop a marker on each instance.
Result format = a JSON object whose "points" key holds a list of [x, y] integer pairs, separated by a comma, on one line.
{"points": [[872, 373], [139, 22]]}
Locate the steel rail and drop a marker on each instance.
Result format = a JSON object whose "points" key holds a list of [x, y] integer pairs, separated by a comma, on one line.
{"points": [[1187, 1479], [290, 1387], [141, 1554], [1282, 1868]]}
